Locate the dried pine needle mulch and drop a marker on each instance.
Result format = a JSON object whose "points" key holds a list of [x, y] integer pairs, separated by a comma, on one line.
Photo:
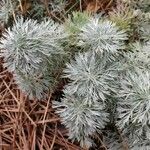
{"points": [[28, 124]]}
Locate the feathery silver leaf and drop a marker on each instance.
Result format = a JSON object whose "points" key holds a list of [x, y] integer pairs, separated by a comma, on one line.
{"points": [[81, 120], [28, 45], [102, 36], [90, 76]]}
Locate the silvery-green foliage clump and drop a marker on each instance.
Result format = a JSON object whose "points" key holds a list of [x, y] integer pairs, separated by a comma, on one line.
{"points": [[28, 45], [134, 94], [29, 49], [134, 103], [73, 25], [83, 106], [122, 15], [90, 76], [145, 26], [122, 82], [136, 137], [5, 10], [132, 141], [58, 6], [33, 85], [143, 5], [137, 58], [142, 25], [81, 120], [75, 22], [102, 36], [112, 140]]}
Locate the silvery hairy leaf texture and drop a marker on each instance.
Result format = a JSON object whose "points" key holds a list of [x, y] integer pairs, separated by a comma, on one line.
{"points": [[132, 136], [138, 138], [28, 45], [89, 76], [139, 4], [141, 145], [5, 10], [81, 120], [134, 103], [122, 15], [73, 25], [111, 139], [35, 86], [143, 25], [58, 5], [75, 22], [134, 142], [102, 36], [136, 58], [30, 50]]}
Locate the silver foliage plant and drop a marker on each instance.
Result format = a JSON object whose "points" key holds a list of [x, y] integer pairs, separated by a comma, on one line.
{"points": [[145, 26], [102, 36], [28, 45], [134, 107], [29, 49], [82, 109], [32, 85], [94, 79], [90, 76], [136, 58], [6, 9], [132, 96], [81, 120], [135, 90]]}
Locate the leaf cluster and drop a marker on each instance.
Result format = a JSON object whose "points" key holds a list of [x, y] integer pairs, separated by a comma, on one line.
{"points": [[91, 80], [29, 50]]}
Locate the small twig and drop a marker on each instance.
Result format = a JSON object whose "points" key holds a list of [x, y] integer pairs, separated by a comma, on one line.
{"points": [[20, 3], [48, 121], [13, 12], [53, 15], [46, 7], [102, 143], [109, 4], [29, 118], [47, 107], [63, 140], [51, 148], [80, 5], [43, 137], [11, 92]]}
